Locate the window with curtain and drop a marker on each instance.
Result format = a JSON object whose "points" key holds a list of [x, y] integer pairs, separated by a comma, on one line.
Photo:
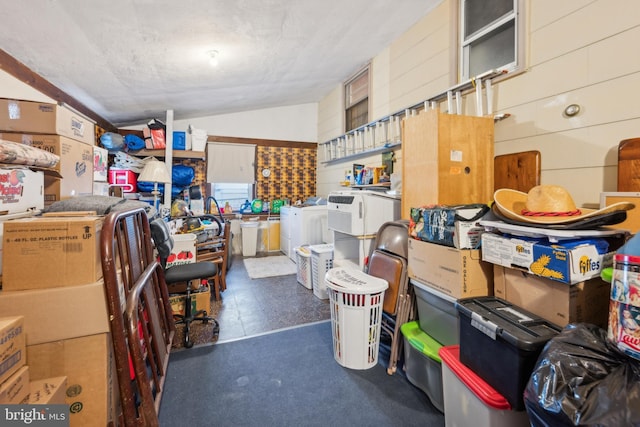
{"points": [[231, 172], [356, 100]]}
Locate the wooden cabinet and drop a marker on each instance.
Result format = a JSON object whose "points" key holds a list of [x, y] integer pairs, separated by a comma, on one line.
{"points": [[447, 159]]}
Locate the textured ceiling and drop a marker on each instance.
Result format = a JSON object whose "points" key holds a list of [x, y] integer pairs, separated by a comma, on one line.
{"points": [[129, 60]]}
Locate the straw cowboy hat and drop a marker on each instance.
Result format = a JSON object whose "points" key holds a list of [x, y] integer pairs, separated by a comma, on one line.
{"points": [[547, 204]]}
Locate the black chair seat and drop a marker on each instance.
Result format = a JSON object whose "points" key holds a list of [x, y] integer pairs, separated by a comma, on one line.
{"points": [[186, 272]]}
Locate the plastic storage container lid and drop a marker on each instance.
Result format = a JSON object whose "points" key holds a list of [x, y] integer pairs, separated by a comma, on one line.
{"points": [[488, 395], [421, 341], [499, 318], [321, 248], [354, 281]]}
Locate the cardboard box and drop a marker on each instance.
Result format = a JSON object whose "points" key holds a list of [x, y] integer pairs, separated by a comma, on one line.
{"points": [[459, 273], [556, 302], [48, 252], [566, 265], [12, 346], [21, 189], [100, 163], [75, 166], [56, 314], [632, 223], [199, 301], [42, 117], [48, 391], [3, 219], [89, 365], [16, 388], [184, 250]]}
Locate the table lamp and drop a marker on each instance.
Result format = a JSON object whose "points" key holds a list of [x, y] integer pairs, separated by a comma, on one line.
{"points": [[154, 171]]}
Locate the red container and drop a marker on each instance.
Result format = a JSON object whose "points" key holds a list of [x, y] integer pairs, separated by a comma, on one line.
{"points": [[123, 178]]}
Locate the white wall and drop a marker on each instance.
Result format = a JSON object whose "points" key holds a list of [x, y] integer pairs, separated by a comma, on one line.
{"points": [[580, 51], [292, 123]]}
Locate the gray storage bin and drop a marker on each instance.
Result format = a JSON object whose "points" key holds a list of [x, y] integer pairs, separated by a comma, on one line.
{"points": [[437, 313]]}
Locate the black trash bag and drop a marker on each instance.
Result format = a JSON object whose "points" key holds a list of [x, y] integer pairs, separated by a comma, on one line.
{"points": [[582, 379]]}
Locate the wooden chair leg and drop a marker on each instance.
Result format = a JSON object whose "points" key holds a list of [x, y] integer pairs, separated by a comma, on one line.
{"points": [[216, 287]]}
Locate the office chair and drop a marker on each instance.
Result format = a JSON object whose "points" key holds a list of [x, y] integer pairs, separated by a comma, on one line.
{"points": [[180, 274]]}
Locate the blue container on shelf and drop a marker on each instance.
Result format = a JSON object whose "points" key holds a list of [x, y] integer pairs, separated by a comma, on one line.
{"points": [[179, 140]]}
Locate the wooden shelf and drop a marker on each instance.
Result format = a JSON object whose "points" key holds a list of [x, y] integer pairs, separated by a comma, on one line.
{"points": [[177, 154]]}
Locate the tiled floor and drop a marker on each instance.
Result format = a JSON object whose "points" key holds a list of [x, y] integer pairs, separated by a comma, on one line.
{"points": [[253, 306]]}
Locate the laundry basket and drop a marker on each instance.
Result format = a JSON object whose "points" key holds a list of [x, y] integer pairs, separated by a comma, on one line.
{"points": [[356, 313], [303, 263], [321, 262]]}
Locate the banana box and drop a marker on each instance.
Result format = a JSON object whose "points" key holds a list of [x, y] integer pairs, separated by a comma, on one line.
{"points": [[571, 261]]}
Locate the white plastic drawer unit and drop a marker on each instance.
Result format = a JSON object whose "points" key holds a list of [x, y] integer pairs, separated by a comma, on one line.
{"points": [[361, 212]]}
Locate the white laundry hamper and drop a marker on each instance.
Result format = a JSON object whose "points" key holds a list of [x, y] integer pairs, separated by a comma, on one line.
{"points": [[356, 313]]}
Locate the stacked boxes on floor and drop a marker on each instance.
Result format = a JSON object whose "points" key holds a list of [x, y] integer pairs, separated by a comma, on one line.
{"points": [[60, 131], [447, 162], [53, 281]]}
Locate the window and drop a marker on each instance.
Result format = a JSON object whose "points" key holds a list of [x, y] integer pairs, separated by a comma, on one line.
{"points": [[234, 193], [491, 34], [356, 100], [231, 172]]}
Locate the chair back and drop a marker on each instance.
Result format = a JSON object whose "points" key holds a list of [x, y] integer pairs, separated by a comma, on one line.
{"points": [[162, 239]]}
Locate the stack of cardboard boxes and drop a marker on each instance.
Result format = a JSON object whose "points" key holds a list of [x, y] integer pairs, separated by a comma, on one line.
{"points": [[58, 130], [52, 275], [53, 279], [15, 385], [471, 263]]}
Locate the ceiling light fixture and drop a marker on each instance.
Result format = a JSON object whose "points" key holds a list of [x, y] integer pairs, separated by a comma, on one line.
{"points": [[213, 57]]}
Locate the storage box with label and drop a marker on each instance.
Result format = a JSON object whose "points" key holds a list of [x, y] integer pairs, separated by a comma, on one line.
{"points": [[455, 226], [100, 163], [184, 249], [3, 219], [554, 301], [12, 345], [75, 165], [48, 391], [21, 189], [47, 252], [42, 117], [459, 273], [199, 301], [89, 365], [568, 261], [51, 307], [16, 388]]}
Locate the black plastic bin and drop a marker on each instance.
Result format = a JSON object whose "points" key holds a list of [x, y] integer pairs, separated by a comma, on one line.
{"points": [[501, 343]]}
